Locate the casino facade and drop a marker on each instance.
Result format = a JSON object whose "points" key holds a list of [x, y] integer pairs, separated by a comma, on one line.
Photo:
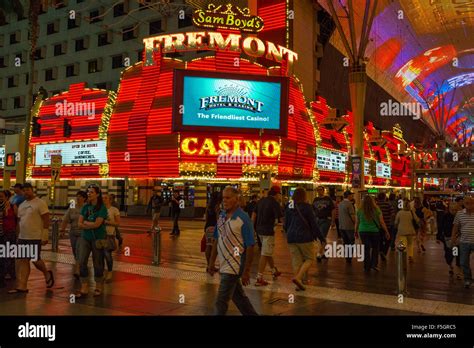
{"points": [[238, 116]]}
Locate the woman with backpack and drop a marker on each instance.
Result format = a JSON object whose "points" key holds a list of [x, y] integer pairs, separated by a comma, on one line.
{"points": [[302, 232], [369, 226], [407, 223]]}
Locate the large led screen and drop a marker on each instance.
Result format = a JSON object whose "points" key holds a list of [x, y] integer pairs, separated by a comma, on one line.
{"points": [[230, 102]]}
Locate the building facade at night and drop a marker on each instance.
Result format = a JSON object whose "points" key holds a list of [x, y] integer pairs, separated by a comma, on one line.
{"points": [[143, 136]]}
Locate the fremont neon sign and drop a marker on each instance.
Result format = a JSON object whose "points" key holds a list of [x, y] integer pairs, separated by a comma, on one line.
{"points": [[206, 147], [252, 46]]}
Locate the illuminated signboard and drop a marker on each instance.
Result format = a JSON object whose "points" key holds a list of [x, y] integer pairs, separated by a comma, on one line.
{"points": [[207, 146], [367, 167], [383, 170], [331, 160], [2, 157], [84, 152], [228, 17], [251, 45], [230, 102]]}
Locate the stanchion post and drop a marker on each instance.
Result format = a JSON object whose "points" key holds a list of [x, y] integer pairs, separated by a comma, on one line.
{"points": [[402, 269], [156, 246], [55, 234]]}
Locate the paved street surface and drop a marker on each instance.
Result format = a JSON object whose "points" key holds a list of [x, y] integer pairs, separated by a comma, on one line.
{"points": [[180, 285]]}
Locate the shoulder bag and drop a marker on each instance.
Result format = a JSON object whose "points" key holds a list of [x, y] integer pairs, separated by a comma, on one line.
{"points": [[100, 244], [307, 224], [381, 230], [413, 221]]}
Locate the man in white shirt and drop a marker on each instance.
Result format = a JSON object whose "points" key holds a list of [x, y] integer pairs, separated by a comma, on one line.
{"points": [[463, 231], [33, 217]]}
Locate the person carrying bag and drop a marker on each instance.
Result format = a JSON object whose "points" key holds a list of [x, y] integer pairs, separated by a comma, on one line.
{"points": [[370, 232], [407, 223], [302, 232]]}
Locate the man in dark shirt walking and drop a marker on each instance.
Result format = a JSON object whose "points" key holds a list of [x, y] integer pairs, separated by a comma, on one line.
{"points": [[325, 211], [175, 212], [388, 217], [267, 212], [249, 209]]}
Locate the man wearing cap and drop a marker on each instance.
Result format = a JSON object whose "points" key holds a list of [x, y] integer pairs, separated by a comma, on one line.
{"points": [[325, 211], [347, 221], [267, 212], [19, 196]]}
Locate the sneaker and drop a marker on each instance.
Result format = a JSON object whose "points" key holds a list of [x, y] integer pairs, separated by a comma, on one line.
{"points": [[298, 284], [276, 274], [261, 282]]}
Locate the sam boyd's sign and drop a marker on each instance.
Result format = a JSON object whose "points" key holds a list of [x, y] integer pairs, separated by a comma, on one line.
{"points": [[227, 17]]}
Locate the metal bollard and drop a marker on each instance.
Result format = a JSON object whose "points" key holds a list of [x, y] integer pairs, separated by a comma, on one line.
{"points": [[402, 268], [55, 235], [156, 246]]}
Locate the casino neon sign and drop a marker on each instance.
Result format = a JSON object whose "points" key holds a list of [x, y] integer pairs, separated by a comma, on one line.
{"points": [[206, 147], [252, 46]]}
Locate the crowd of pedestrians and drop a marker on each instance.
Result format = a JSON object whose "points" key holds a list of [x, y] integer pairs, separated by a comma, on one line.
{"points": [[93, 220], [232, 229], [380, 224]]}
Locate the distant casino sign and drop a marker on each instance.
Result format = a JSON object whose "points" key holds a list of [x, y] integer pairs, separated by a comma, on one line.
{"points": [[233, 17]]}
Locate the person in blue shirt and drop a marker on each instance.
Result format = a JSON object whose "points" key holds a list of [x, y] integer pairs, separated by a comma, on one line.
{"points": [[233, 243], [19, 196]]}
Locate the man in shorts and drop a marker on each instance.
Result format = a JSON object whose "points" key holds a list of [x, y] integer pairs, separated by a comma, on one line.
{"points": [[33, 215], [267, 212]]}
